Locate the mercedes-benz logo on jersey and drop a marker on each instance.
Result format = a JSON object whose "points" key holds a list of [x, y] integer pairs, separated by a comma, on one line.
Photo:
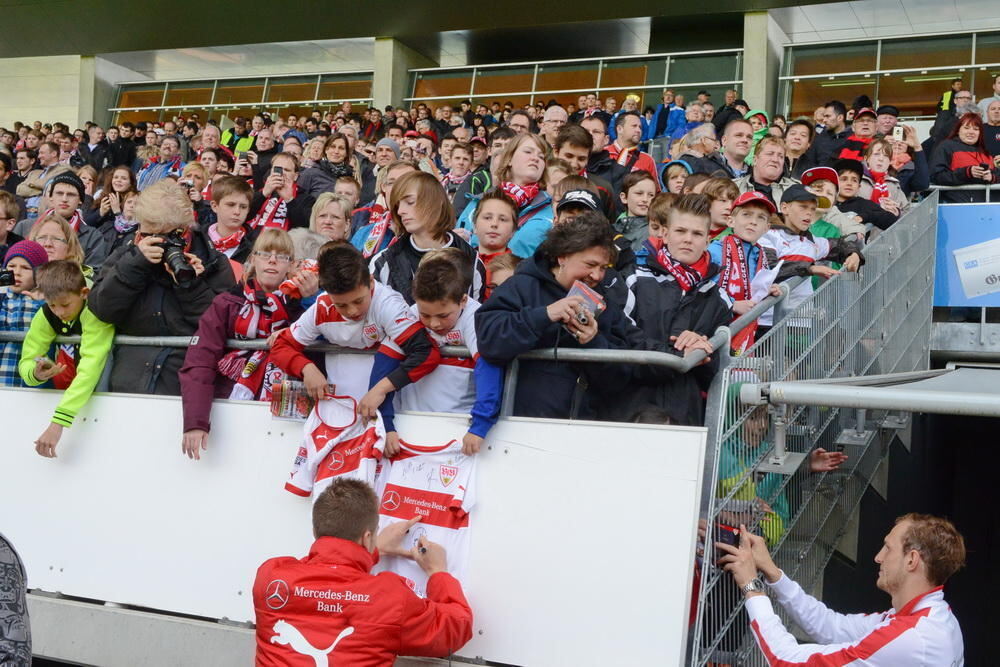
{"points": [[336, 461], [276, 595], [390, 501]]}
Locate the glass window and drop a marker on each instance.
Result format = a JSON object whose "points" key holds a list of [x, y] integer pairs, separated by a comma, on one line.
{"points": [[618, 74], [807, 94], [983, 86], [295, 89], [141, 95], [571, 76], [913, 93], [240, 91], [830, 58], [189, 93], [926, 52], [503, 80], [345, 87], [452, 83], [517, 100], [988, 47], [136, 116], [712, 67]]}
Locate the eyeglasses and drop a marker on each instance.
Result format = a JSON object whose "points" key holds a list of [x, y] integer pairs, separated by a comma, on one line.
{"points": [[51, 239], [268, 256]]}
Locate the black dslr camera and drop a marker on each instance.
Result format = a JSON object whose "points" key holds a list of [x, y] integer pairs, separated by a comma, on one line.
{"points": [[173, 246], [6, 278]]}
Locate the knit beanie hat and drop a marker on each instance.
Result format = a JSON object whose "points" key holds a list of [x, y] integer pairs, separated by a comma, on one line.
{"points": [[386, 141], [33, 253], [69, 178]]}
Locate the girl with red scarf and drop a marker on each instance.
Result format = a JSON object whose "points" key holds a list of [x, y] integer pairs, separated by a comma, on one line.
{"points": [[253, 310], [879, 183]]}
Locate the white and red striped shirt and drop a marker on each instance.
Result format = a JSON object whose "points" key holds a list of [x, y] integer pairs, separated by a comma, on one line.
{"points": [[924, 633], [436, 482]]}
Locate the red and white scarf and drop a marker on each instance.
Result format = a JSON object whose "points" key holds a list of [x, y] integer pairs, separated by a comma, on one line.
{"points": [[380, 219], [254, 375], [224, 243], [274, 212], [75, 221], [521, 194], [880, 188], [734, 279], [451, 179], [686, 276]]}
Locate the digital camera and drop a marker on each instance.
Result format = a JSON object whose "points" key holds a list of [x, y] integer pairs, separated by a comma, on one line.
{"points": [[173, 245]]}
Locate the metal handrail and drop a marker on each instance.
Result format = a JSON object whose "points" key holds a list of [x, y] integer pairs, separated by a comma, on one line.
{"points": [[643, 357]]}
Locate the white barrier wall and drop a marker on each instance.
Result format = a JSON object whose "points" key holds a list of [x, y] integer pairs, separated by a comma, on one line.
{"points": [[582, 537]]}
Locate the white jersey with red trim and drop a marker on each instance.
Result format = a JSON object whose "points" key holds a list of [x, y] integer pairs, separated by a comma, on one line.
{"points": [[436, 483], [923, 633], [792, 247], [388, 318], [450, 387], [336, 444]]}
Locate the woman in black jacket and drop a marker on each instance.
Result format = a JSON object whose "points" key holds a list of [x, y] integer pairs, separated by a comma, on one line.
{"points": [[140, 293], [422, 213], [962, 159], [531, 310]]}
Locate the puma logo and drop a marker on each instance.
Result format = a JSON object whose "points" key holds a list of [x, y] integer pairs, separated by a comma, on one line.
{"points": [[289, 635]]}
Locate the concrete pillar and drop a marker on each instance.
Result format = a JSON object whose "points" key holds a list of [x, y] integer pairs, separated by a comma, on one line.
{"points": [[763, 47], [391, 79], [88, 85]]}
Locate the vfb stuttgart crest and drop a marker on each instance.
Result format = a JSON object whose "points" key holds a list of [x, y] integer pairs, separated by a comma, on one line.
{"points": [[453, 337], [447, 474], [371, 331]]}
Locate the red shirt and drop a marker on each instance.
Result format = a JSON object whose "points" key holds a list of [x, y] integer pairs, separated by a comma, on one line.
{"points": [[328, 604], [643, 163]]}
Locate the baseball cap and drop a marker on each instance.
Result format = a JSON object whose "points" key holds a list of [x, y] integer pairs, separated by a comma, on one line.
{"points": [[477, 140], [584, 198], [866, 111], [741, 103], [847, 164], [820, 174], [754, 197], [889, 109], [799, 192]]}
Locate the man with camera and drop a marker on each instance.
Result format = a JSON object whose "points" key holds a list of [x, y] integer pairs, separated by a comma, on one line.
{"points": [[918, 556], [159, 284]]}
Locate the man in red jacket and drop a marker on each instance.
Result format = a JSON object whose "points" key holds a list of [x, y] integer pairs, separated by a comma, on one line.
{"points": [[327, 608]]}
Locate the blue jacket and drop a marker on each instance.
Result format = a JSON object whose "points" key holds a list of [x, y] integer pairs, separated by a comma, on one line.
{"points": [[514, 320], [533, 223], [751, 250], [684, 128], [675, 118]]}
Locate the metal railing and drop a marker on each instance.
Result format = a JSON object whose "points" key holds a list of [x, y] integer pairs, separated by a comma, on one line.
{"points": [[874, 322], [988, 187]]}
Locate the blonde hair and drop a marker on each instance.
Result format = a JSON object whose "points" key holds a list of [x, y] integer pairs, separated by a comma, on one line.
{"points": [[74, 251], [271, 239], [192, 167], [163, 207], [433, 207], [768, 139], [330, 198], [503, 170], [87, 169]]}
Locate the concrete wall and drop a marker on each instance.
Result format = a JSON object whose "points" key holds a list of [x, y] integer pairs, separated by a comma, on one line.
{"points": [[43, 88]]}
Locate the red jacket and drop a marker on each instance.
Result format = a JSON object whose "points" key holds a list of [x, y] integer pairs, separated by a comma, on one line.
{"points": [[328, 604]]}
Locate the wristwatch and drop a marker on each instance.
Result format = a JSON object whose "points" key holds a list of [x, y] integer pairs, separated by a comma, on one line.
{"points": [[755, 585]]}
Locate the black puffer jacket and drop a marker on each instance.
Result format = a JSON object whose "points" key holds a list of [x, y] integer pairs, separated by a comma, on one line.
{"points": [[396, 265], [141, 299], [514, 320], [662, 310]]}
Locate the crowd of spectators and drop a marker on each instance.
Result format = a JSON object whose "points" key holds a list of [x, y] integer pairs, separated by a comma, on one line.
{"points": [[185, 228], [402, 231]]}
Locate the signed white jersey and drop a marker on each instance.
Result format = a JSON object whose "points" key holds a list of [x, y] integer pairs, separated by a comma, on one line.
{"points": [[437, 483], [389, 318], [449, 387], [336, 443]]}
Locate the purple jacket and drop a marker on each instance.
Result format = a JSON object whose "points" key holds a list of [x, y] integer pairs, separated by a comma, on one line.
{"points": [[200, 377]]}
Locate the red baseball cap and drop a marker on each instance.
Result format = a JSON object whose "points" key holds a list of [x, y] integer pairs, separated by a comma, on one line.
{"points": [[820, 174], [866, 111], [755, 197]]}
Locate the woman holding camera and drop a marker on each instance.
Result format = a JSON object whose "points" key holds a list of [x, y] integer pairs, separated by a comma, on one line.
{"points": [[158, 285]]}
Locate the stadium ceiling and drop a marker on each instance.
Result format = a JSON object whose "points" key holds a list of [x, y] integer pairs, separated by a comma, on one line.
{"points": [[92, 27]]}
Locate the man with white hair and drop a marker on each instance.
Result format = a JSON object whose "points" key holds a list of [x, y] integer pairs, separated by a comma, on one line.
{"points": [[696, 145], [694, 116], [552, 121]]}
